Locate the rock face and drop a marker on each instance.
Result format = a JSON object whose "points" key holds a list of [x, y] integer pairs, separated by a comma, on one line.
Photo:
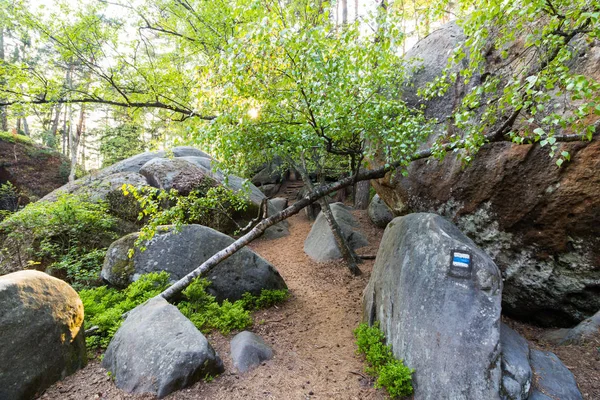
{"points": [[379, 213], [33, 169], [516, 371], [279, 203], [187, 169], [269, 173], [586, 330], [248, 350], [157, 350], [437, 298], [178, 253], [99, 188], [538, 222], [553, 379], [41, 340], [320, 244], [176, 173]]}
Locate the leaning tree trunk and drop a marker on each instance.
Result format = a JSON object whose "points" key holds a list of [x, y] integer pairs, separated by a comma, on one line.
{"points": [[349, 256], [295, 208]]}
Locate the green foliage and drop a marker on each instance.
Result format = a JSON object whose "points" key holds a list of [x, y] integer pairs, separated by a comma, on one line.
{"points": [[202, 309], [293, 84], [535, 43], [119, 143], [208, 204], [9, 199], [396, 378], [80, 268], [66, 235], [392, 374], [266, 299], [105, 306]]}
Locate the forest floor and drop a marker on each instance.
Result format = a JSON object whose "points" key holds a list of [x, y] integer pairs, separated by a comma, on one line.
{"points": [[311, 335]]}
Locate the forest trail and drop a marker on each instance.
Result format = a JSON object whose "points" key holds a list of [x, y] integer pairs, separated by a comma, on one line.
{"points": [[311, 335]]}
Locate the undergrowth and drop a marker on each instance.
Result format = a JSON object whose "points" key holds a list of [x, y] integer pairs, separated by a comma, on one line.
{"points": [[15, 138], [67, 237], [389, 372], [104, 306], [209, 204]]}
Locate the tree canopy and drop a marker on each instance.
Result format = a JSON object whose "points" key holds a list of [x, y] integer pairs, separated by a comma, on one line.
{"points": [[249, 79]]}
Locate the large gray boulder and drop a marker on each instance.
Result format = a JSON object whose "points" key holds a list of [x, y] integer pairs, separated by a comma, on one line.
{"points": [[180, 252], [173, 173], [157, 350], [98, 188], [132, 164], [189, 151], [379, 213], [41, 340], [248, 350], [278, 203], [437, 298], [516, 371], [202, 162], [320, 245], [553, 380], [586, 330], [125, 171], [270, 189]]}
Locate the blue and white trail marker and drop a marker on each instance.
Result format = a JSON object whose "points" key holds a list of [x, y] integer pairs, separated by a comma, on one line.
{"points": [[460, 264]]}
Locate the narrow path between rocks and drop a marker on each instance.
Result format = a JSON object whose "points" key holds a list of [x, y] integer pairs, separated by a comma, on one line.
{"points": [[311, 335]]}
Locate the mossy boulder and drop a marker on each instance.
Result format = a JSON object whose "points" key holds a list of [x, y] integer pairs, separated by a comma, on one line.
{"points": [[180, 252]]}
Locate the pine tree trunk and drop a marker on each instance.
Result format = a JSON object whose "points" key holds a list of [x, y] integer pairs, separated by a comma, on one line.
{"points": [[3, 110], [362, 194], [75, 142], [26, 127]]}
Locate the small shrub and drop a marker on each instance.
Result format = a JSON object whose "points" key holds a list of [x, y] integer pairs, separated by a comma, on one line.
{"points": [[10, 199], [203, 310], [82, 270], [391, 374], [63, 236], [209, 204], [396, 378], [267, 298]]}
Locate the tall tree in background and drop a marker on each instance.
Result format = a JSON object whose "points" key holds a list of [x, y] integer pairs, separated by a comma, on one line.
{"points": [[3, 109]]}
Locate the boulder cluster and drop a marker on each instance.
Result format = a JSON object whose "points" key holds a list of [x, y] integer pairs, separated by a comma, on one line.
{"points": [[438, 298], [434, 292]]}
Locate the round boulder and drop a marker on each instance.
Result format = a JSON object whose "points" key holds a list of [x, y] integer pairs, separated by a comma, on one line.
{"points": [[248, 350], [157, 350], [41, 340], [379, 213]]}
